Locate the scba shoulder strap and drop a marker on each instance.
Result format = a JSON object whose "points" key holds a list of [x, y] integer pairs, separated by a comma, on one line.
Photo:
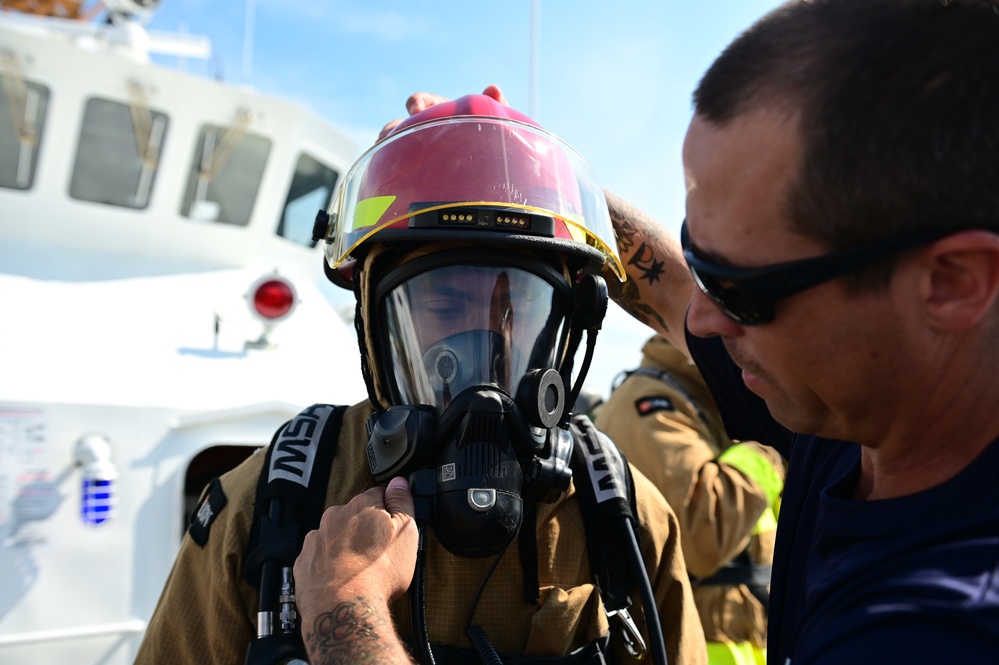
{"points": [[606, 493], [296, 472], [742, 570], [290, 499]]}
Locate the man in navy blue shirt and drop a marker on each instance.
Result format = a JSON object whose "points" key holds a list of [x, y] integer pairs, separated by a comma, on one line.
{"points": [[842, 217]]}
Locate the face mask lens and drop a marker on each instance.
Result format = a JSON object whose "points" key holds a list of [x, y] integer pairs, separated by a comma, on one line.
{"points": [[454, 327]]}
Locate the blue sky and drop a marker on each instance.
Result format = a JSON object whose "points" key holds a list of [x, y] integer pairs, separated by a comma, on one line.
{"points": [[612, 79]]}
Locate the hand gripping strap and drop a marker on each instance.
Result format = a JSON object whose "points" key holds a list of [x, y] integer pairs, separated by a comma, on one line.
{"points": [[606, 493], [291, 491]]}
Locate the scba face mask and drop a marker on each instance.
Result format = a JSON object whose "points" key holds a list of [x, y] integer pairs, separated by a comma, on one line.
{"points": [[458, 326], [474, 347]]}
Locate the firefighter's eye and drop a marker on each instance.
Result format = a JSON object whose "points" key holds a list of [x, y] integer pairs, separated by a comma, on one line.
{"points": [[444, 308]]}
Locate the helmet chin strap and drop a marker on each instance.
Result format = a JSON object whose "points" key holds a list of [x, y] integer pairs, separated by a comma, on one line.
{"points": [[365, 283]]}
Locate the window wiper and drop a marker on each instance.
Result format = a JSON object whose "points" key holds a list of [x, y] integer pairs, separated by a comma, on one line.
{"points": [[215, 155], [148, 133], [24, 106]]}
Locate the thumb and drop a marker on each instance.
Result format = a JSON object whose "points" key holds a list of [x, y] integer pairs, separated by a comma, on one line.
{"points": [[421, 101], [398, 499], [387, 129]]}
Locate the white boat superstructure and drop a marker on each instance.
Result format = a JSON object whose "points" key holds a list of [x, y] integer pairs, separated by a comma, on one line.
{"points": [[143, 212]]}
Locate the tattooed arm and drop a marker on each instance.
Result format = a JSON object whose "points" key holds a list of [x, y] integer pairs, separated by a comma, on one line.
{"points": [[360, 559], [659, 286], [354, 631]]}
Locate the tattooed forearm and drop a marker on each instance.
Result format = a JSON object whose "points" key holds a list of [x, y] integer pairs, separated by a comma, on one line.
{"points": [[627, 296], [640, 241], [353, 632]]}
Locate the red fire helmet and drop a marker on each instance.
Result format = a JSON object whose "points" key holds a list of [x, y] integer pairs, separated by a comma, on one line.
{"points": [[472, 169]]}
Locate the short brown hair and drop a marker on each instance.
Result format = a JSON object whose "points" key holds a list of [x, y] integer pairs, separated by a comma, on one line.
{"points": [[897, 103]]}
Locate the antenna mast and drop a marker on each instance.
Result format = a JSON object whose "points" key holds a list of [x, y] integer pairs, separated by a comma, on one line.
{"points": [[535, 20]]}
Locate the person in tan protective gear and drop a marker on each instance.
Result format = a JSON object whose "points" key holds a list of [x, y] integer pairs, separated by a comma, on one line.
{"points": [[473, 241], [725, 494]]}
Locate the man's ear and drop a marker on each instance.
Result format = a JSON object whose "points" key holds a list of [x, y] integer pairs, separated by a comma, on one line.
{"points": [[963, 279]]}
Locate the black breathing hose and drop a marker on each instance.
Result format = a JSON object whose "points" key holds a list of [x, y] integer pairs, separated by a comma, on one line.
{"points": [[657, 644], [476, 635], [591, 343], [483, 647], [418, 603]]}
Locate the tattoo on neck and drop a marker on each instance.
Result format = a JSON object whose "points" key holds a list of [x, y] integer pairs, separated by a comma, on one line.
{"points": [[353, 632]]}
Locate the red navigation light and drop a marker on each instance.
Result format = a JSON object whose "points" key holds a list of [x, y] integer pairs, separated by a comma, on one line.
{"points": [[272, 298]]}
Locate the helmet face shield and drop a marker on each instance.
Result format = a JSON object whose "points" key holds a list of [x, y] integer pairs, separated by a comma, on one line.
{"points": [[452, 327], [466, 174]]}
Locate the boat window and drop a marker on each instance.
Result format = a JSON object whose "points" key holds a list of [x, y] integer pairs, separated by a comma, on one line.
{"points": [[225, 175], [311, 189], [209, 463], [22, 121], [118, 154]]}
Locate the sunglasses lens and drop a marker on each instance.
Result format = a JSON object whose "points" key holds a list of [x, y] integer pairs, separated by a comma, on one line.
{"points": [[737, 305]]}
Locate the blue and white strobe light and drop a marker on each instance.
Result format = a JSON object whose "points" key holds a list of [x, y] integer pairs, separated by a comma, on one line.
{"points": [[97, 504]]}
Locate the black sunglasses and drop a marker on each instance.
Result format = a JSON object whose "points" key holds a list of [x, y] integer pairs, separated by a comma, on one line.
{"points": [[748, 295]]}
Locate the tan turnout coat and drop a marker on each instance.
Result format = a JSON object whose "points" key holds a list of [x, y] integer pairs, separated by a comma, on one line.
{"points": [[673, 434], [207, 612]]}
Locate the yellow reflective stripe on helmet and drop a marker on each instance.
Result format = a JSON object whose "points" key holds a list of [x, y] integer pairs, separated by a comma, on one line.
{"points": [[581, 233], [576, 227], [369, 211], [757, 467]]}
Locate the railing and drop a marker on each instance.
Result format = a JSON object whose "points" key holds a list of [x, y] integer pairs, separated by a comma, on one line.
{"points": [[134, 626]]}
